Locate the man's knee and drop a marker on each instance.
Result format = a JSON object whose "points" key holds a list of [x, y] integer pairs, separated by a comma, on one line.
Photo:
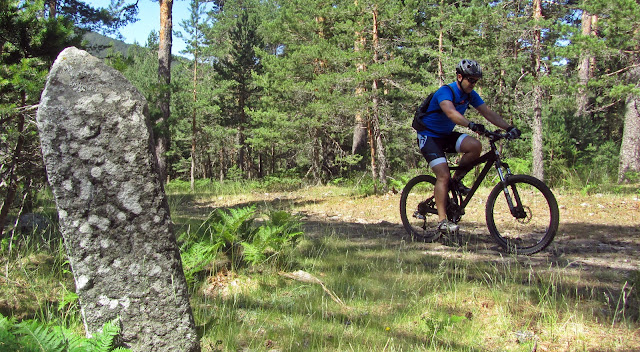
{"points": [[471, 145], [442, 172]]}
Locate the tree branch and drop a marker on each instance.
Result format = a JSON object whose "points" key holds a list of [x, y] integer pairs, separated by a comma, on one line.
{"points": [[621, 70]]}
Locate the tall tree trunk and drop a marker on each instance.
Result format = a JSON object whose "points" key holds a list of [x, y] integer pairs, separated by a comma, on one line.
{"points": [[375, 118], [242, 152], [360, 128], [536, 125], [221, 161], [316, 155], [630, 148], [164, 75], [585, 68], [441, 46], [372, 147], [193, 119], [12, 179], [208, 168], [52, 5]]}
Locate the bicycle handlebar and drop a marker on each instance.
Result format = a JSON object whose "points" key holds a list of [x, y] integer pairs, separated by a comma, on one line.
{"points": [[497, 135]]}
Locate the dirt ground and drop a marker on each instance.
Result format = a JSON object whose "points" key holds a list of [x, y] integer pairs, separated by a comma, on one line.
{"points": [[595, 250], [598, 232]]}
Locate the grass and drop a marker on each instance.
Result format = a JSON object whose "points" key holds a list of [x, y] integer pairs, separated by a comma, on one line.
{"points": [[394, 294], [399, 300]]}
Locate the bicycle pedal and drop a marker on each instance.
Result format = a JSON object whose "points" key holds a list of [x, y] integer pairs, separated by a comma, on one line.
{"points": [[417, 215]]}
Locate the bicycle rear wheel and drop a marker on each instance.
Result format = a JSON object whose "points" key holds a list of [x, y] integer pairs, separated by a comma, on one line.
{"points": [[532, 224], [418, 208]]}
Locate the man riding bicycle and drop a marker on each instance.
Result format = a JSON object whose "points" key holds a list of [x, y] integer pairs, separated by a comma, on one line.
{"points": [[445, 111]]}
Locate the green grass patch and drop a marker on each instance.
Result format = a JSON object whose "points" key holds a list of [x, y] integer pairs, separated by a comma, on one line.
{"points": [[349, 286]]}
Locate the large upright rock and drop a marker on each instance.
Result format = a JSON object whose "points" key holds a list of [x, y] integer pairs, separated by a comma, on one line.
{"points": [[98, 149]]}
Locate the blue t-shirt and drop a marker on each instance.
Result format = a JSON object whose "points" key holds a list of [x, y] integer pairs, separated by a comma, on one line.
{"points": [[438, 122]]}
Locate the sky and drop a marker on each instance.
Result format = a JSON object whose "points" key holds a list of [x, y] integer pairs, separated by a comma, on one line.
{"points": [[149, 20]]}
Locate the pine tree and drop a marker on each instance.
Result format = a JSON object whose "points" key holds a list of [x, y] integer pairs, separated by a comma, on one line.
{"points": [[29, 43], [194, 28], [237, 67]]}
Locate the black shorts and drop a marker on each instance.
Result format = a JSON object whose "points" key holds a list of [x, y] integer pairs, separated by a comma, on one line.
{"points": [[433, 148]]}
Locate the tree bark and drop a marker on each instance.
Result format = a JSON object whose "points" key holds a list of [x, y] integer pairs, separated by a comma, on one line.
{"points": [[193, 119], [375, 118], [52, 5], [164, 75], [585, 68], [536, 125], [360, 127], [12, 179], [441, 47], [221, 159], [630, 148]]}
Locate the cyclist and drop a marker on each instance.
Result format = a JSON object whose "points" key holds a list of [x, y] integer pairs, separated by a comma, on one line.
{"points": [[445, 111]]}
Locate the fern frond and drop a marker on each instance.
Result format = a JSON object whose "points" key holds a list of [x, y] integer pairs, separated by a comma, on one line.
{"points": [[37, 336], [72, 342], [6, 323], [280, 217], [197, 257], [252, 253], [233, 225], [8, 340], [103, 341]]}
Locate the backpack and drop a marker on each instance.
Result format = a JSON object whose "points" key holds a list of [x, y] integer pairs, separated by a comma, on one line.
{"points": [[421, 111]]}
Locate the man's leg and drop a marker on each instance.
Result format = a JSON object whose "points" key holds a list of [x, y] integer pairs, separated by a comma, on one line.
{"points": [[471, 149], [433, 153], [442, 187]]}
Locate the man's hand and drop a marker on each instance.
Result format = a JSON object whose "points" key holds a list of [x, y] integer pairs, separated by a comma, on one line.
{"points": [[476, 127], [513, 132]]}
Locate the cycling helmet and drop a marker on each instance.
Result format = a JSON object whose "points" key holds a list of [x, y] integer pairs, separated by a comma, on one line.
{"points": [[469, 68]]}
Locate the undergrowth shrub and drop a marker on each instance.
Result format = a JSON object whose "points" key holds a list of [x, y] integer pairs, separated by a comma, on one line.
{"points": [[32, 335], [237, 235]]}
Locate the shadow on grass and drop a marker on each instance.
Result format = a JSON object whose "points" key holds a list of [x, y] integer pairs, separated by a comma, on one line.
{"points": [[598, 263]]}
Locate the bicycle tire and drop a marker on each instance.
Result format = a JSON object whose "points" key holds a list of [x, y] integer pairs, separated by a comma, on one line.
{"points": [[534, 228], [417, 208]]}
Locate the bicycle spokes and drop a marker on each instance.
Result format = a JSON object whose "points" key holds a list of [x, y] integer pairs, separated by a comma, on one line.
{"points": [[524, 219], [417, 208]]}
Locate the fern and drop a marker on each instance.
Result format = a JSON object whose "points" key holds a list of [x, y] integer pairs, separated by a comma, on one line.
{"points": [[33, 336], [253, 253], [281, 231], [8, 340], [72, 341], [103, 341], [197, 257], [233, 232], [36, 337], [233, 226]]}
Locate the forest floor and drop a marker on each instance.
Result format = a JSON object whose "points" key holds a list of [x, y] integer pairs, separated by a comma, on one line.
{"points": [[595, 250], [597, 232]]}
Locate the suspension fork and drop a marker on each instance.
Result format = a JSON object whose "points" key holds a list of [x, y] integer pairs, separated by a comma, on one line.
{"points": [[516, 209]]}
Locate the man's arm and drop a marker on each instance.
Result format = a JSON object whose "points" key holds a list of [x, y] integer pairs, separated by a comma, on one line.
{"points": [[453, 114], [492, 116]]}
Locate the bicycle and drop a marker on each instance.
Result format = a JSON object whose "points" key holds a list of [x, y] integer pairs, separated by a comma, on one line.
{"points": [[524, 221]]}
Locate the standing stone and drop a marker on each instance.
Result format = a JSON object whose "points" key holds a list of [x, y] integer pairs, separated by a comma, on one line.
{"points": [[98, 149]]}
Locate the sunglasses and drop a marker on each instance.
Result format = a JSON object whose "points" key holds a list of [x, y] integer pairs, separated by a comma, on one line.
{"points": [[472, 80]]}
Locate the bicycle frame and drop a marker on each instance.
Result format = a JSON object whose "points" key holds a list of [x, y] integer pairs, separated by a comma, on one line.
{"points": [[529, 229], [491, 158]]}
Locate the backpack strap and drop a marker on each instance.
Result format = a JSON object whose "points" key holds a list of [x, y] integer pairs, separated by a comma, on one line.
{"points": [[453, 100], [417, 124]]}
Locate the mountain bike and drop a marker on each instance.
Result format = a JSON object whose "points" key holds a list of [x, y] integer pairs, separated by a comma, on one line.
{"points": [[521, 211]]}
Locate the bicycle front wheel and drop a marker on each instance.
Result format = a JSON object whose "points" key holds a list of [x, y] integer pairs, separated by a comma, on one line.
{"points": [[418, 208], [522, 217]]}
